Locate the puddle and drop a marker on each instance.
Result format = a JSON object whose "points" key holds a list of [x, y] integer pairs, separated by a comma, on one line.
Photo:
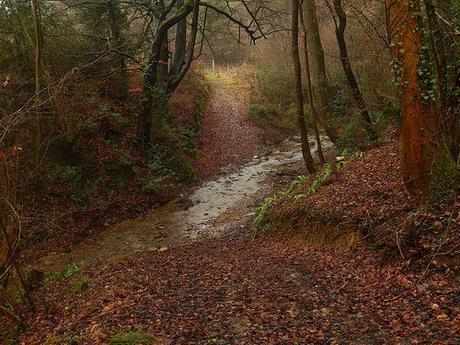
{"points": [[174, 224]]}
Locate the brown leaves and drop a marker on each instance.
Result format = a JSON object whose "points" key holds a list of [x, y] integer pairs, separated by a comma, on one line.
{"points": [[234, 291], [226, 136]]}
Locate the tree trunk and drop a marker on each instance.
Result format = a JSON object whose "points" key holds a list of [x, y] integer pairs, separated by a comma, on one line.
{"points": [[309, 87], [156, 75], [355, 91], [180, 43], [448, 107], [38, 57], [320, 86], [299, 95], [422, 148], [163, 64], [144, 124]]}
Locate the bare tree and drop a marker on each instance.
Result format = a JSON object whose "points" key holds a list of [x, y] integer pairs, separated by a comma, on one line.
{"points": [[308, 159], [38, 68], [311, 100], [320, 85], [160, 77], [340, 21]]}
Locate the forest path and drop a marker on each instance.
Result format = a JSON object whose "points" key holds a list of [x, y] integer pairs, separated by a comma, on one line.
{"points": [[234, 180], [227, 138], [198, 278]]}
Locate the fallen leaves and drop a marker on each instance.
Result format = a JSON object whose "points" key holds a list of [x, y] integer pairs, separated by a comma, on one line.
{"points": [[236, 291]]}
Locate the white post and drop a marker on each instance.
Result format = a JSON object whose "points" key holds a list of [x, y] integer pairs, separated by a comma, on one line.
{"points": [[213, 66]]}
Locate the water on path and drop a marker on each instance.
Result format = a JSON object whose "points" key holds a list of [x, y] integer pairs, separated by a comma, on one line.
{"points": [[191, 218]]}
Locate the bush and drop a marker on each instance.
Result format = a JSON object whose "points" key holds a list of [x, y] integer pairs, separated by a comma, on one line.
{"points": [[339, 105], [260, 112], [354, 135], [274, 84], [271, 115]]}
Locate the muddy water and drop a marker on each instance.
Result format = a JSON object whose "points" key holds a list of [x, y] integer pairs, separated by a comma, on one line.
{"points": [[193, 217]]}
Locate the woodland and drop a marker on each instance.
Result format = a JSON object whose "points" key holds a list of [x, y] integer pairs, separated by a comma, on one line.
{"points": [[229, 172]]}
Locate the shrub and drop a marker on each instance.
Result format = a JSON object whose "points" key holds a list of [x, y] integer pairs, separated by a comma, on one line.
{"points": [[274, 84], [339, 104], [354, 135]]}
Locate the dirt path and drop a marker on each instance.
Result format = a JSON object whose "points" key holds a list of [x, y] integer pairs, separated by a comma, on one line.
{"points": [[227, 137], [236, 291], [232, 180], [198, 278]]}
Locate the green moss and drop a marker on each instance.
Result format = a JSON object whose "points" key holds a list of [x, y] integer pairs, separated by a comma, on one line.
{"points": [[132, 338], [61, 275]]}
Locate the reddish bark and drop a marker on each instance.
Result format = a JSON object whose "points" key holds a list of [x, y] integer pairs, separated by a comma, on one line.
{"points": [[420, 134]]}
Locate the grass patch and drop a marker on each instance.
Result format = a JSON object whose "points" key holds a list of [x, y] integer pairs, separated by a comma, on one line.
{"points": [[132, 338], [297, 191], [81, 284], [324, 177], [261, 224], [62, 275]]}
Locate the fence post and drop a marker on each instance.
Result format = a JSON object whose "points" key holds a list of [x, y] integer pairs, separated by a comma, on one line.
{"points": [[213, 66]]}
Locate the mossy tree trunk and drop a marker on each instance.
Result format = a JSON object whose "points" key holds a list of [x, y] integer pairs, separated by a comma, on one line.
{"points": [[158, 82], [426, 164]]}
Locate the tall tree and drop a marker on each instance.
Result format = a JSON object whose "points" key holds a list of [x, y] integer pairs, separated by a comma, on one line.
{"points": [[311, 100], [180, 43], [320, 86], [340, 25], [425, 161], [308, 159], [161, 77]]}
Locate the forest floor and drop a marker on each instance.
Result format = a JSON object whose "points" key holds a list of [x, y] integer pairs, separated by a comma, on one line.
{"points": [[191, 273]]}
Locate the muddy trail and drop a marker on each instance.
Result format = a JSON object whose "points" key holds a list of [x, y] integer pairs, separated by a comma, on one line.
{"points": [[235, 177], [189, 273]]}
